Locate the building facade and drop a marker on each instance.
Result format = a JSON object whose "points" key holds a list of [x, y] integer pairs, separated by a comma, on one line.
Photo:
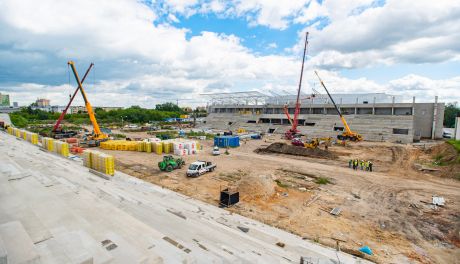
{"points": [[42, 102], [4, 100], [82, 109], [376, 118]]}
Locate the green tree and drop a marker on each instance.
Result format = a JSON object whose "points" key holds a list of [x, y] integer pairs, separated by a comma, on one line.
{"points": [[169, 107], [450, 113]]}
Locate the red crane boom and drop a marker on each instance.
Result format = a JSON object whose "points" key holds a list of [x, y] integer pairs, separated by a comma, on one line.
{"points": [[293, 130]]}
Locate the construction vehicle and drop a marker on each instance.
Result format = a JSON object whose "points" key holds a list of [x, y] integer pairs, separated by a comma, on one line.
{"points": [[198, 168], [57, 131], [97, 136], [313, 143], [216, 151], [347, 134], [292, 132], [169, 163]]}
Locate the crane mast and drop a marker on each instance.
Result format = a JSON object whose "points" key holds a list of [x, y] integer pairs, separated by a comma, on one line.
{"points": [[97, 131], [294, 122]]}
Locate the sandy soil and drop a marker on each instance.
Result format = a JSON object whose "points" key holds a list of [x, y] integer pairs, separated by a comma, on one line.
{"points": [[387, 210]]}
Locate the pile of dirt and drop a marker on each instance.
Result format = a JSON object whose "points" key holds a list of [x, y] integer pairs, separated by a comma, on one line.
{"points": [[444, 153], [283, 148], [256, 187], [448, 159]]}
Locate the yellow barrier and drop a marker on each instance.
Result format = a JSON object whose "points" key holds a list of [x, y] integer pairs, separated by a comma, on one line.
{"points": [[23, 134], [47, 143], [99, 161], [61, 148]]}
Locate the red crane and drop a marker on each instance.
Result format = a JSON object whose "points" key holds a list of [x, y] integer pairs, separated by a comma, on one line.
{"points": [[57, 132], [294, 122]]}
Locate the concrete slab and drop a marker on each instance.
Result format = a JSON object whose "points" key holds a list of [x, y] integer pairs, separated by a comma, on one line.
{"points": [[18, 244], [126, 220], [3, 253]]}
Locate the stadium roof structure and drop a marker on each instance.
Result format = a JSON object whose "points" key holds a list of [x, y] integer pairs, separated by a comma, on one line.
{"points": [[258, 98], [238, 98]]}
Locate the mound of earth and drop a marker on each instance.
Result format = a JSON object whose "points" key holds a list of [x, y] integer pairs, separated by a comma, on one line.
{"points": [[256, 187], [448, 158], [283, 148]]}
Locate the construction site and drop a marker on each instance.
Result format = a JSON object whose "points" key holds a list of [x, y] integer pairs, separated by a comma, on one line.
{"points": [[314, 177]]}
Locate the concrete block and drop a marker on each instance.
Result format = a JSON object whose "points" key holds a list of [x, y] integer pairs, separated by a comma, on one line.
{"points": [[65, 247], [3, 253], [18, 244]]}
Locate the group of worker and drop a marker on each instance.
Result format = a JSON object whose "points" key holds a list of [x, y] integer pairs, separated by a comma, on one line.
{"points": [[360, 164]]}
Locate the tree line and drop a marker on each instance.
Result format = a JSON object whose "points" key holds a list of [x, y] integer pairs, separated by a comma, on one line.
{"points": [[133, 114]]}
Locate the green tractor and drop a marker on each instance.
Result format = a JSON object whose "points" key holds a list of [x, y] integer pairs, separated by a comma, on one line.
{"points": [[169, 163]]}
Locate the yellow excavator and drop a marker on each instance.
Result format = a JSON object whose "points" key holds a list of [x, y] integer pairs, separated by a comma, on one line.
{"points": [[347, 134], [97, 136]]}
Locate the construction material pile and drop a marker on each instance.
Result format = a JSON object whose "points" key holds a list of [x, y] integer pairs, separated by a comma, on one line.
{"points": [[99, 161], [24, 134], [56, 146], [183, 148], [283, 148], [47, 143], [61, 148], [176, 146]]}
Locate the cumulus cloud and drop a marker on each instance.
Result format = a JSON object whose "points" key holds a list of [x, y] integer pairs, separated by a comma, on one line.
{"points": [[397, 32], [125, 44], [142, 60]]}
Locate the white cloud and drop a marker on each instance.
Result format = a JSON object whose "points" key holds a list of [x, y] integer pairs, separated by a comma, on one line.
{"points": [[272, 45], [140, 61], [399, 31]]}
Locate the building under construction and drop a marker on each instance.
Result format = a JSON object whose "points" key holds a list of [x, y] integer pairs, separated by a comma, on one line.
{"points": [[376, 116]]}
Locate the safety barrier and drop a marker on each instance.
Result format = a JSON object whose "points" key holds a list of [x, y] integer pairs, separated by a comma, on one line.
{"points": [[99, 161], [61, 148], [24, 134]]}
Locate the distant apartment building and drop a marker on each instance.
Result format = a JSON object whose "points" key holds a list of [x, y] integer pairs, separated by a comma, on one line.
{"points": [[4, 100], [82, 109], [15, 104], [42, 102]]}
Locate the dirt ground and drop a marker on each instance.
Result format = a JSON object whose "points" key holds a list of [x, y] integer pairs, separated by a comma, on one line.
{"points": [[388, 209]]}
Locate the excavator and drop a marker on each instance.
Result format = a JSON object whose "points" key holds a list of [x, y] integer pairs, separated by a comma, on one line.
{"points": [[347, 134], [97, 136], [293, 132]]}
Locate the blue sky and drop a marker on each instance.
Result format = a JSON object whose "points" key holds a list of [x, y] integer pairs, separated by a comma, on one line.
{"points": [[150, 52]]}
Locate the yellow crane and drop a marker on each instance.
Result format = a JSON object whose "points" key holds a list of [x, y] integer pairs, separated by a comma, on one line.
{"points": [[97, 135], [348, 134]]}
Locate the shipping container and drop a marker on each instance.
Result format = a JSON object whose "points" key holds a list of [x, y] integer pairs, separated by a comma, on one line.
{"points": [[227, 141]]}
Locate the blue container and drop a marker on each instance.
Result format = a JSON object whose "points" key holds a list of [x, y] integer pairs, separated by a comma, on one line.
{"points": [[227, 141]]}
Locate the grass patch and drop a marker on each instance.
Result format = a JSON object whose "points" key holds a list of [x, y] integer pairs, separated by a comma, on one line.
{"points": [[322, 180], [438, 160], [455, 144], [118, 136]]}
